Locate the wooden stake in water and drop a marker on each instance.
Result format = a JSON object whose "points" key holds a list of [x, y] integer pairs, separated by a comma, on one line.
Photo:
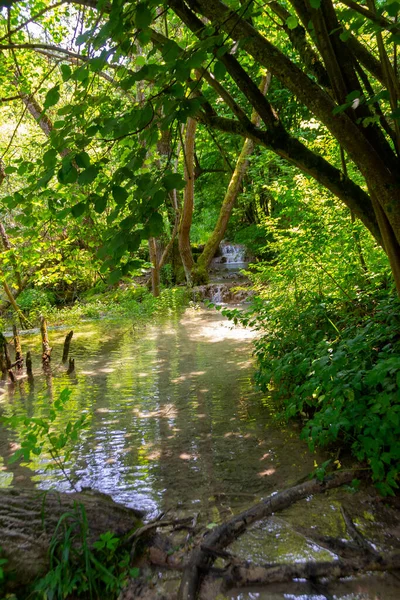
{"points": [[7, 360], [18, 350], [29, 367], [46, 348], [67, 343]]}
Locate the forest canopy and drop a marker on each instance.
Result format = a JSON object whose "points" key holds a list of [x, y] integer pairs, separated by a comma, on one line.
{"points": [[96, 96]]}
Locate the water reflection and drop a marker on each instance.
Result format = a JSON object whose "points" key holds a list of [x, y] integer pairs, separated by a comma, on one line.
{"points": [[174, 423], [174, 420]]}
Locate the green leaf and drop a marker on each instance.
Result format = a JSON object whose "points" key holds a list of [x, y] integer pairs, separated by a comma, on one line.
{"points": [[52, 97], [221, 51], [173, 181], [88, 175], [315, 3], [114, 277], [83, 37], [80, 74], [292, 22], [155, 225], [100, 204], [67, 174], [140, 61], [66, 72], [219, 70], [134, 572], [82, 160], [353, 95], [143, 16], [339, 109], [345, 35], [50, 158], [119, 194], [97, 64], [78, 209], [9, 170], [157, 199]]}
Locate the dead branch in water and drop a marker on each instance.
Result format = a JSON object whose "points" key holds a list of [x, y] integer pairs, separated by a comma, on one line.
{"points": [[247, 575], [223, 535]]}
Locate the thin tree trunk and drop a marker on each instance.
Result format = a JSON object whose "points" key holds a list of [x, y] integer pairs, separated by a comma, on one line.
{"points": [[234, 189], [188, 203], [355, 233], [7, 246], [22, 318], [155, 271], [18, 350]]}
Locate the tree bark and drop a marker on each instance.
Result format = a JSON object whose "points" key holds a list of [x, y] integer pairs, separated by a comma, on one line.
{"points": [[67, 344], [46, 348], [251, 575], [234, 188], [155, 271], [29, 519], [18, 350]]}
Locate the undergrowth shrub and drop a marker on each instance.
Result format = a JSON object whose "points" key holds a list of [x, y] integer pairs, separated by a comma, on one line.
{"points": [[78, 569], [337, 366], [134, 302]]}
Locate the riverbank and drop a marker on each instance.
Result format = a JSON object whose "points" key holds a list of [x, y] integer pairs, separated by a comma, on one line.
{"points": [[133, 301]]}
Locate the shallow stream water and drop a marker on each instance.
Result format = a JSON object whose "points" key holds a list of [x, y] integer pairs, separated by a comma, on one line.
{"points": [[175, 423]]}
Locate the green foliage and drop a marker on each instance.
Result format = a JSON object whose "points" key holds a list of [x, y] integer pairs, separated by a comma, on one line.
{"points": [[38, 436], [35, 300], [200, 275], [134, 301], [3, 562], [80, 570], [328, 323], [336, 365]]}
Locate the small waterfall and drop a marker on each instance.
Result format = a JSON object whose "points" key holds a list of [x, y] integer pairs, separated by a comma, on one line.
{"points": [[222, 293], [217, 293], [230, 254], [227, 284]]}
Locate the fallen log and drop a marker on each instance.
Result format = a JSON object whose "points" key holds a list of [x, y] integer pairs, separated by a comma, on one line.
{"points": [[30, 518], [223, 535], [247, 575]]}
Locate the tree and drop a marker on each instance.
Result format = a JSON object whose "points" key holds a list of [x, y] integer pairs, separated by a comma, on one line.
{"points": [[338, 59]]}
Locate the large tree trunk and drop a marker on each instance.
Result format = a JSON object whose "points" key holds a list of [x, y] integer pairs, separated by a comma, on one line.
{"points": [[29, 519], [188, 203], [234, 188]]}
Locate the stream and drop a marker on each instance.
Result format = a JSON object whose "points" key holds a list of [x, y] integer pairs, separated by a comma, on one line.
{"points": [[175, 424]]}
